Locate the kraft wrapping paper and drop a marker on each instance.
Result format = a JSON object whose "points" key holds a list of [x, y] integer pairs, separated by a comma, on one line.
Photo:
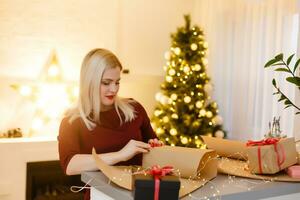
{"points": [[227, 148], [195, 166], [234, 160]]}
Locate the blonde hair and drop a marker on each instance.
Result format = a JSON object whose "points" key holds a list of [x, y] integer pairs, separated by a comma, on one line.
{"points": [[88, 105]]}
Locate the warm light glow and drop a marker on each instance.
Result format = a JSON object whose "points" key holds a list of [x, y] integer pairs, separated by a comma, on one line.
{"points": [[184, 140], [53, 71], [25, 90], [37, 124], [173, 131]]}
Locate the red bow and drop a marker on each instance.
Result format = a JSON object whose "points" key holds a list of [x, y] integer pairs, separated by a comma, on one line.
{"points": [[158, 172], [268, 141]]}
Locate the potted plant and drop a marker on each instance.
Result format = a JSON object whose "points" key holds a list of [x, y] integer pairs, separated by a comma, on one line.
{"points": [[284, 66]]}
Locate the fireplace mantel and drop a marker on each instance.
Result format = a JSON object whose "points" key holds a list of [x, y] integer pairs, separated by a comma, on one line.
{"points": [[14, 155]]}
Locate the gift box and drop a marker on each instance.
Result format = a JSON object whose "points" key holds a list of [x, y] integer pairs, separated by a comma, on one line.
{"points": [[294, 171], [144, 187], [271, 155]]}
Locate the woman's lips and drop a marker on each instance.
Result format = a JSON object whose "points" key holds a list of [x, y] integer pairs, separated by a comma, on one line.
{"points": [[110, 97]]}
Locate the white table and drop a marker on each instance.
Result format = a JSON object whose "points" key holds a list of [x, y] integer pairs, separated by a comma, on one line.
{"points": [[229, 187]]}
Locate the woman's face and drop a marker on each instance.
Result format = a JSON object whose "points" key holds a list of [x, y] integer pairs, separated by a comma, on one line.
{"points": [[109, 87]]}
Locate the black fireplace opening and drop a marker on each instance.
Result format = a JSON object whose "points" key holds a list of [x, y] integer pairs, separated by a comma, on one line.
{"points": [[46, 181]]}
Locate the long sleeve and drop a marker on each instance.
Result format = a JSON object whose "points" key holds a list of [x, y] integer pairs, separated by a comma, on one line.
{"points": [[68, 142]]}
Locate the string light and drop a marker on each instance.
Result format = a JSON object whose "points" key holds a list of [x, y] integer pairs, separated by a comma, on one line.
{"points": [[194, 46], [173, 131], [172, 72], [177, 50], [187, 99], [169, 79]]}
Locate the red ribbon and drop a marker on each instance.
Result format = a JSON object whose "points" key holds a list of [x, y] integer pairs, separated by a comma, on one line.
{"points": [[158, 172], [268, 141], [155, 144]]}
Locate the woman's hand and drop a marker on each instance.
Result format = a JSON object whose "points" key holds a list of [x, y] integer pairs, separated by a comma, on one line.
{"points": [[155, 142], [132, 148]]}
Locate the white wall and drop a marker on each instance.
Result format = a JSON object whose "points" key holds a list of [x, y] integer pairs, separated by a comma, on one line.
{"points": [[138, 31]]}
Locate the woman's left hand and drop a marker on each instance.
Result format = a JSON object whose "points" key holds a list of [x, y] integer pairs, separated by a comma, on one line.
{"points": [[155, 142]]}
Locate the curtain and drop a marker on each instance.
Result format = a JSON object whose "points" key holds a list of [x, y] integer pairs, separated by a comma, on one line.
{"points": [[242, 36]]}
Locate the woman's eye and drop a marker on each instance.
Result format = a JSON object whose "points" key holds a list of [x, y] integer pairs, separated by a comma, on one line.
{"points": [[117, 83], [105, 83]]}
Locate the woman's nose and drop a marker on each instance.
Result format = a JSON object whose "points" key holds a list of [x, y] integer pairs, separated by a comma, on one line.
{"points": [[114, 88]]}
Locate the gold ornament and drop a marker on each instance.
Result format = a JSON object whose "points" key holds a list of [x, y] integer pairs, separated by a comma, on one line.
{"points": [[218, 120], [205, 44], [187, 99], [194, 47], [219, 134]]}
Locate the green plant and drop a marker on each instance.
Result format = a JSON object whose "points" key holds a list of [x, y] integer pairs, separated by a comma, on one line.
{"points": [[284, 66]]}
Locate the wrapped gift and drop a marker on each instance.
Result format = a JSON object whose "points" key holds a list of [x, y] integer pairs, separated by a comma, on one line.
{"points": [[156, 184], [294, 171], [271, 155]]}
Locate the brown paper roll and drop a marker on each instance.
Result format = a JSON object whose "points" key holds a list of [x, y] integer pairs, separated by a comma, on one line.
{"points": [[189, 161], [226, 148]]}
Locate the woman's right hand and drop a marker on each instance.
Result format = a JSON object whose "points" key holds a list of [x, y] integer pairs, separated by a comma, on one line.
{"points": [[132, 148]]}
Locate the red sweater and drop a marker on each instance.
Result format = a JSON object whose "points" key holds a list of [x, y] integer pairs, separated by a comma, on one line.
{"points": [[109, 136]]}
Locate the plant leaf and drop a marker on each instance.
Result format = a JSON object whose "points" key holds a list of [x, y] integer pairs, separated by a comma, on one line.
{"points": [[296, 65], [278, 64], [281, 98], [279, 56], [294, 80], [287, 106], [289, 59], [287, 102], [274, 83], [282, 70], [270, 62]]}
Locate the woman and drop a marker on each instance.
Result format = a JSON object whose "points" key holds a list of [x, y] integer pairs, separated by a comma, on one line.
{"points": [[118, 128]]}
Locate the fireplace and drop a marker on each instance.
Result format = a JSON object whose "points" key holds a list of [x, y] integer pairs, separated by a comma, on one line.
{"points": [[45, 180]]}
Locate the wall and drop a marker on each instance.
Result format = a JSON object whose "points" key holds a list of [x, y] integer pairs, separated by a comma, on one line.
{"points": [[137, 31]]}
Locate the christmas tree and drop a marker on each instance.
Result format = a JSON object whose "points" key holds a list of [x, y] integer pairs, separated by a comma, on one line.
{"points": [[185, 110]]}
